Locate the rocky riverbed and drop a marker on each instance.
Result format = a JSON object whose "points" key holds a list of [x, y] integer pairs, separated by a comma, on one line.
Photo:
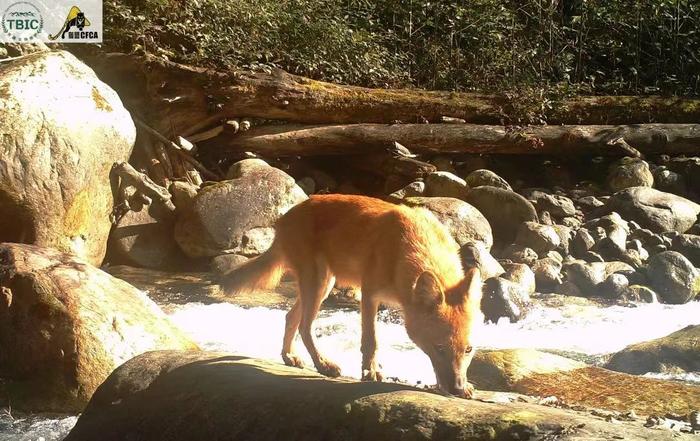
{"points": [[590, 297]]}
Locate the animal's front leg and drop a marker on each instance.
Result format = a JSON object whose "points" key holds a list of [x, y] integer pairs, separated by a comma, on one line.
{"points": [[370, 367]]}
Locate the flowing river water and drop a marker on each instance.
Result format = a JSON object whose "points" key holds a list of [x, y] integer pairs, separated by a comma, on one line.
{"points": [[579, 329]]}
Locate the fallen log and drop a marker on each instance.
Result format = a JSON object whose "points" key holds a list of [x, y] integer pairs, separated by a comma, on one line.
{"points": [[645, 139], [183, 100]]}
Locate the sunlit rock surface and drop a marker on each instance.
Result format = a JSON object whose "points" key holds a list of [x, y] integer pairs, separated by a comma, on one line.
{"points": [[65, 325], [237, 215], [62, 129], [170, 395], [542, 374], [676, 352]]}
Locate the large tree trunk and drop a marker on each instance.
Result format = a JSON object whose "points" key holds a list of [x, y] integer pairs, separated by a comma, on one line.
{"points": [[182, 100], [287, 140]]}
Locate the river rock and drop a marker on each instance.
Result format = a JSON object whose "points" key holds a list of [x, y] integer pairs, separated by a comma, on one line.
{"points": [[65, 325], [673, 277], [415, 188], [183, 194], [572, 222], [542, 374], [589, 203], [145, 238], [587, 276], [505, 210], [654, 209], [520, 254], [179, 396], [613, 287], [521, 275], [689, 246], [236, 216], [55, 163], [582, 242], [679, 351], [480, 177], [476, 255], [558, 206], [639, 293], [223, 264], [630, 172], [547, 274], [565, 236], [445, 184], [540, 238], [503, 298], [465, 223], [669, 181]]}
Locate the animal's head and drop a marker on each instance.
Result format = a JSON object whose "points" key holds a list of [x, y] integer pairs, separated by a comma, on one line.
{"points": [[440, 322], [80, 18]]}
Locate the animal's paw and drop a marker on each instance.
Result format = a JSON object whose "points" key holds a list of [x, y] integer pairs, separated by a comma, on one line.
{"points": [[292, 360], [328, 368], [372, 375], [468, 391]]}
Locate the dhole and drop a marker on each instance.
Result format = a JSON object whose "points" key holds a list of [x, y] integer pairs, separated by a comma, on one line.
{"points": [[394, 254]]}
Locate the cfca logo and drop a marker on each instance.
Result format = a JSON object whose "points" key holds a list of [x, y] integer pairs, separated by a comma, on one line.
{"points": [[22, 22], [76, 19]]}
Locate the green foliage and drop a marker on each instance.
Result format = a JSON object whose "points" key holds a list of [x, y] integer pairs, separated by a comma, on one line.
{"points": [[544, 47]]}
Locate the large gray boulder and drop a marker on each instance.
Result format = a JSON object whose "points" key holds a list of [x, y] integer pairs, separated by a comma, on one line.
{"points": [[65, 326], [62, 129], [465, 223], [653, 209], [673, 277], [237, 215], [504, 209], [179, 396]]}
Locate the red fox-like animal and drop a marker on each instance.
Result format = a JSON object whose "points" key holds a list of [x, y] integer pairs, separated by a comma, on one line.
{"points": [[395, 255]]}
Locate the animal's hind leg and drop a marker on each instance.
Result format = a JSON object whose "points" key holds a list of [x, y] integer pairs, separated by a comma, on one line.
{"points": [[314, 286], [290, 330]]}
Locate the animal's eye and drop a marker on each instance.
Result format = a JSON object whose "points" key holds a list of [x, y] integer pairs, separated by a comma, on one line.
{"points": [[441, 349], [468, 350]]}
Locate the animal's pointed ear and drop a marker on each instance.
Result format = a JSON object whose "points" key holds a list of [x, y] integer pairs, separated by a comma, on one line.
{"points": [[428, 292], [472, 286]]}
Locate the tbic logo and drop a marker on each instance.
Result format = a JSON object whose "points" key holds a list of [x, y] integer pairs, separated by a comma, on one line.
{"points": [[22, 22], [76, 18]]}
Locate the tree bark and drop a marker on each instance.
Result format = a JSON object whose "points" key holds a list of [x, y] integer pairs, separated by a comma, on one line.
{"points": [[183, 100], [288, 140]]}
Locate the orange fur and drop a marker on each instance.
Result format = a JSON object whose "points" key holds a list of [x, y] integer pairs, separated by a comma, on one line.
{"points": [[394, 254]]}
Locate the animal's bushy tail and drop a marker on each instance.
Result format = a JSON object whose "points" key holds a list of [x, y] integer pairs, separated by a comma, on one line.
{"points": [[262, 272]]}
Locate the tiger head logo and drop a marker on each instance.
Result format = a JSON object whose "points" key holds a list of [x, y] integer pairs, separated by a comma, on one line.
{"points": [[75, 18]]}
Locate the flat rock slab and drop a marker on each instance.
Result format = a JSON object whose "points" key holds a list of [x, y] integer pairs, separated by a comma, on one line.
{"points": [[172, 395], [542, 374]]}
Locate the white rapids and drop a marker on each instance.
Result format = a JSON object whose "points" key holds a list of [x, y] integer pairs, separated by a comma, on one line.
{"points": [[590, 331]]}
